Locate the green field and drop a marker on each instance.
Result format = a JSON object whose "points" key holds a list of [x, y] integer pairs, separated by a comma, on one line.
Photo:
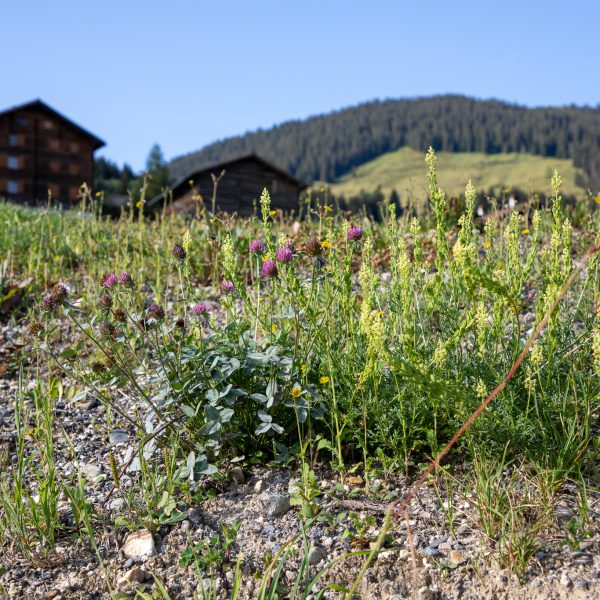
{"points": [[403, 171]]}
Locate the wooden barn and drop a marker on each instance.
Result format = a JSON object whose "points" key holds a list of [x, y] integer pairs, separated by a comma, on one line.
{"points": [[240, 184], [42, 152]]}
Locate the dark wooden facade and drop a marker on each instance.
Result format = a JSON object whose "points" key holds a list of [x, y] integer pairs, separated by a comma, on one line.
{"points": [[43, 152], [239, 189]]}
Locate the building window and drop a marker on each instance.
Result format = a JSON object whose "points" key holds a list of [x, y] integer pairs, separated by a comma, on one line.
{"points": [[55, 166], [21, 121], [73, 169], [13, 139], [73, 193], [54, 144], [74, 147], [12, 187], [48, 124], [13, 163]]}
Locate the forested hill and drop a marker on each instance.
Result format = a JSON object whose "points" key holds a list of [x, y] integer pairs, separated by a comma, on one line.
{"points": [[325, 147]]}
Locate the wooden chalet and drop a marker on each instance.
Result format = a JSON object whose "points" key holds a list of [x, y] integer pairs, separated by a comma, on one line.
{"points": [[241, 183], [42, 152]]}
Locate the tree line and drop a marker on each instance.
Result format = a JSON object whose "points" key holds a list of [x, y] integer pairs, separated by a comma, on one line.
{"points": [[327, 146]]}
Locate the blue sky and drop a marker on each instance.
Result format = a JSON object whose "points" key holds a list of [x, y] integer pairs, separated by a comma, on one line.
{"points": [[185, 73]]}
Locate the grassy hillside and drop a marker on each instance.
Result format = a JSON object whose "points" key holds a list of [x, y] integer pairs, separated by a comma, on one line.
{"points": [[403, 170]]}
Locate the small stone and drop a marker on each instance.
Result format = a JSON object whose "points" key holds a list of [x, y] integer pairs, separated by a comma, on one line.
{"points": [[134, 575], [258, 487], [275, 505], [565, 580], [90, 471], [425, 593], [316, 554], [195, 517], [237, 475], [116, 504], [582, 584], [294, 487], [118, 436], [139, 545], [438, 541], [456, 556], [444, 547], [433, 552]]}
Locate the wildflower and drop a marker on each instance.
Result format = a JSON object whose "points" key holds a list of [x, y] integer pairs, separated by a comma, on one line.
{"points": [[257, 247], [47, 303], [525, 232], [313, 248], [180, 323], [303, 367], [284, 255], [326, 244], [327, 208], [296, 391], [269, 269], [227, 287], [355, 233], [324, 379], [199, 309], [109, 280], [105, 301], [156, 312], [597, 199], [178, 252], [272, 213], [126, 280]]}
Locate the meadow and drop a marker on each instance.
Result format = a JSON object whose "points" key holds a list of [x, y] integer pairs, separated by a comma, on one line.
{"points": [[326, 346]]}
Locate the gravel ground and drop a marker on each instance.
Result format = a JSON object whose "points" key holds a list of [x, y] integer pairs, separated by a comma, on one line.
{"points": [[449, 565]]}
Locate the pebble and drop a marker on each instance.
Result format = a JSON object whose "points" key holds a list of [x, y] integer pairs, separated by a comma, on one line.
{"points": [[316, 554], [134, 575], [258, 487], [195, 517], [139, 545], [275, 505], [118, 436], [237, 475], [90, 471], [425, 593], [565, 580]]}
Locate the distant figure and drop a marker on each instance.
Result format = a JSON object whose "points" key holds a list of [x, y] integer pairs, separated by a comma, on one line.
{"points": [[512, 202]]}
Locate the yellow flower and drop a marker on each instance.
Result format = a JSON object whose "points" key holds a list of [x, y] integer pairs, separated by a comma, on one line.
{"points": [[525, 231], [274, 328], [324, 379], [486, 245], [98, 194], [501, 265], [597, 199], [296, 391], [303, 367], [138, 204], [326, 244], [327, 208], [191, 181], [273, 213], [266, 257]]}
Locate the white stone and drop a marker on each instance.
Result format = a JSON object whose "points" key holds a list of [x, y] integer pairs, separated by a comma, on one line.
{"points": [[139, 545]]}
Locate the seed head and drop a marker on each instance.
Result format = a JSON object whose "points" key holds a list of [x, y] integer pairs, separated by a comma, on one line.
{"points": [[355, 233], [120, 315], [156, 312], [35, 327], [269, 269], [284, 255], [108, 330], [313, 248], [180, 323], [104, 300], [178, 252], [257, 247]]}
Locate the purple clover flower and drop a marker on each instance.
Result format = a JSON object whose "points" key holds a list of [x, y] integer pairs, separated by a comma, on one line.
{"points": [[269, 269], [355, 233], [284, 255], [227, 287], [199, 309], [109, 280], [126, 280], [257, 247]]}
